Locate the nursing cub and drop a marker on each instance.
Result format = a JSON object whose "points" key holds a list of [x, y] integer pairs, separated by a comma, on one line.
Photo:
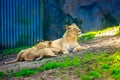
{"points": [[69, 40], [42, 49]]}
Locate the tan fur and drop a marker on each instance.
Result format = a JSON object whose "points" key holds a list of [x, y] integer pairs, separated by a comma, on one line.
{"points": [[44, 44], [46, 52], [34, 52], [69, 40]]}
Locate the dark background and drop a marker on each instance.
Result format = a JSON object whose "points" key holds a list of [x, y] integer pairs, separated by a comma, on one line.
{"points": [[23, 22]]}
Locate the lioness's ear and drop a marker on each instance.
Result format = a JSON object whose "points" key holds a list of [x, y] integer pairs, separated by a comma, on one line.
{"points": [[50, 43], [67, 27]]}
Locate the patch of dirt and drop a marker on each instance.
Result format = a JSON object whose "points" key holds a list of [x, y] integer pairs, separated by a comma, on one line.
{"points": [[97, 45]]}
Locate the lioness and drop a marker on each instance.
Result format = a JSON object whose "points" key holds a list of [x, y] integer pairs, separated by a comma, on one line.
{"points": [[69, 40], [34, 53]]}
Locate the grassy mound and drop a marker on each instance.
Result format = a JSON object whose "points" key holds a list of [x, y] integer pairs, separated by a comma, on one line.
{"points": [[90, 66]]}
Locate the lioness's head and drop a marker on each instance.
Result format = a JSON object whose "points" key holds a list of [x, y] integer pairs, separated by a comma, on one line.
{"points": [[73, 29]]}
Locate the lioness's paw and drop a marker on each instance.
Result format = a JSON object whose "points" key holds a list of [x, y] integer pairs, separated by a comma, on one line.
{"points": [[65, 52], [77, 49], [74, 50]]}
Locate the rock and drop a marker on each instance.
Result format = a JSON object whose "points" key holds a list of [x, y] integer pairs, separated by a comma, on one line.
{"points": [[89, 15]]}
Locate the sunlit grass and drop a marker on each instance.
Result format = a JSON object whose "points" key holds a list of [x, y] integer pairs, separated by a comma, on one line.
{"points": [[93, 66], [115, 71], [118, 31], [110, 31], [87, 36]]}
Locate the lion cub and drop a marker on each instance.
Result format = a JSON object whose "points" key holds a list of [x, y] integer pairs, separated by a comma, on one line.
{"points": [[31, 54], [69, 40]]}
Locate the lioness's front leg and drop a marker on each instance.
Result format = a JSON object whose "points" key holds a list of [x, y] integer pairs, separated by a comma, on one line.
{"points": [[78, 48], [64, 48], [39, 58]]}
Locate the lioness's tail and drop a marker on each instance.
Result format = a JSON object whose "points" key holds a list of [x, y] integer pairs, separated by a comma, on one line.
{"points": [[11, 61], [17, 59]]}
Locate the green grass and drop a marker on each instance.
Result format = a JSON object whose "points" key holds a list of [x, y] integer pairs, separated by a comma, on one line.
{"points": [[25, 72], [91, 35], [118, 32], [104, 63], [93, 66], [104, 66], [90, 66], [65, 63], [49, 65], [115, 71], [2, 74], [85, 77], [14, 50], [87, 36], [88, 57], [94, 74]]}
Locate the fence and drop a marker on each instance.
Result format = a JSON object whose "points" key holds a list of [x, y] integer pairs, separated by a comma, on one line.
{"points": [[20, 22]]}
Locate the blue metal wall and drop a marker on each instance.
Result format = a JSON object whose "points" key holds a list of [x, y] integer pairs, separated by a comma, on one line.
{"points": [[20, 22]]}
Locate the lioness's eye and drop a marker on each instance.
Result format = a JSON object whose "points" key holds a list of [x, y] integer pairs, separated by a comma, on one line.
{"points": [[75, 29]]}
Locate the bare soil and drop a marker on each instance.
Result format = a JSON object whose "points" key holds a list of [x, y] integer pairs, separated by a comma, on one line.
{"points": [[97, 45]]}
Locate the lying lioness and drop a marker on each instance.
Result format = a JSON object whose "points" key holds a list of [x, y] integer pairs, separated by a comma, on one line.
{"points": [[65, 44], [69, 40], [34, 53]]}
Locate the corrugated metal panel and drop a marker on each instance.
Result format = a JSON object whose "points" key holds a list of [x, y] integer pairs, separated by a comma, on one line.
{"points": [[20, 22]]}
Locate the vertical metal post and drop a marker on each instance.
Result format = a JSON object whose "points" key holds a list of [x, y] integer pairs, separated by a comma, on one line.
{"points": [[41, 19]]}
